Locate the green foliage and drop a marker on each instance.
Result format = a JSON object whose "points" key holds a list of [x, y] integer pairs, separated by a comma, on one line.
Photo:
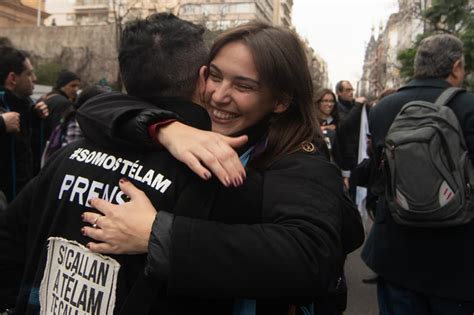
{"points": [[449, 16], [47, 73]]}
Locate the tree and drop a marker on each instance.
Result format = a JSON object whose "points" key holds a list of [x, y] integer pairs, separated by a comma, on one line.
{"points": [[444, 16]]}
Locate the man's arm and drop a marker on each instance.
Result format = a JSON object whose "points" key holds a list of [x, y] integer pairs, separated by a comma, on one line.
{"points": [[351, 119]]}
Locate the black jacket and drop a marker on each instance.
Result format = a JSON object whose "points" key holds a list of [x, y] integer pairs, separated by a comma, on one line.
{"points": [[348, 132], [432, 261], [52, 203], [276, 239], [16, 164]]}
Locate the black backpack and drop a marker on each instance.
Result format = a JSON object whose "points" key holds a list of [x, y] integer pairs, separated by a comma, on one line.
{"points": [[429, 175]]}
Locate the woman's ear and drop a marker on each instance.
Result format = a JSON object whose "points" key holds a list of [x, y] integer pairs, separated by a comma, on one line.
{"points": [[282, 105], [203, 74]]}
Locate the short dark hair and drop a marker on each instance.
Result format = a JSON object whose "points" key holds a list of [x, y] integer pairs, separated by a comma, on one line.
{"points": [[436, 56], [5, 41], [161, 55], [339, 85], [11, 60]]}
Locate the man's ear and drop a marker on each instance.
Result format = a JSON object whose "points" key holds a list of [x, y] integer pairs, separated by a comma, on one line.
{"points": [[458, 68], [456, 77], [10, 81], [203, 74]]}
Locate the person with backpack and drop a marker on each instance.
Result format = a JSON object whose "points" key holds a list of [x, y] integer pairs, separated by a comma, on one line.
{"points": [[423, 139]]}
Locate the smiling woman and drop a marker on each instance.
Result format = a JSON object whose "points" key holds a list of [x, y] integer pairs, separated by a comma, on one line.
{"points": [[275, 241], [236, 99]]}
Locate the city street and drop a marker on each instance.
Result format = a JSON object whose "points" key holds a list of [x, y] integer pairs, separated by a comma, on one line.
{"points": [[362, 297]]}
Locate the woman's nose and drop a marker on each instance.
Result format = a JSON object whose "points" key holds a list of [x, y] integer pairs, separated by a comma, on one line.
{"points": [[222, 93]]}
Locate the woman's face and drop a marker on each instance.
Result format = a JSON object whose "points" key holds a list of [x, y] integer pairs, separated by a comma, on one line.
{"points": [[235, 98], [326, 104]]}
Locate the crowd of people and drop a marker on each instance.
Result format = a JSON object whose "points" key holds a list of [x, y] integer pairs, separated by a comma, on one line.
{"points": [[218, 183]]}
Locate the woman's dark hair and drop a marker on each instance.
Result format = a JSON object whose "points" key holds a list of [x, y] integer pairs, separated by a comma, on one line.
{"points": [[282, 67], [318, 96]]}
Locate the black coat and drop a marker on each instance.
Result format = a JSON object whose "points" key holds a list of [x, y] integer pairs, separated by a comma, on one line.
{"points": [[16, 162], [432, 261], [51, 205], [348, 133], [279, 235]]}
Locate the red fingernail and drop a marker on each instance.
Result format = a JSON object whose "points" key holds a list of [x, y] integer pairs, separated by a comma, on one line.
{"points": [[83, 231], [88, 245], [207, 175], [89, 202], [82, 217]]}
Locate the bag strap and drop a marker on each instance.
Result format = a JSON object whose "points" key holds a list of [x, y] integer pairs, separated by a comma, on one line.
{"points": [[448, 95]]}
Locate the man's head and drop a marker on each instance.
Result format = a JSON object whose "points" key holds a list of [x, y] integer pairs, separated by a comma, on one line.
{"points": [[161, 56], [344, 91], [68, 82], [16, 72], [440, 56]]}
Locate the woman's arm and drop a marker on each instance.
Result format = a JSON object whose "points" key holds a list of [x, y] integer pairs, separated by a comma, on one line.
{"points": [[296, 250], [124, 121]]}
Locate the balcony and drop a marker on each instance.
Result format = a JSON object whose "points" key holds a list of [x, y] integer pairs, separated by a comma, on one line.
{"points": [[92, 5]]}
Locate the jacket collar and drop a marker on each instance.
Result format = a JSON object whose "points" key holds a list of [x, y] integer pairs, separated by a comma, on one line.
{"points": [[346, 104], [428, 82], [12, 98]]}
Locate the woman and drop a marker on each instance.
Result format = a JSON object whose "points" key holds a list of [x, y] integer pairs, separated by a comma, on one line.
{"points": [[328, 118], [276, 238]]}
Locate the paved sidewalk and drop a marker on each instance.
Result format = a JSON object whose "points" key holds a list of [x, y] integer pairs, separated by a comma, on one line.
{"points": [[362, 297]]}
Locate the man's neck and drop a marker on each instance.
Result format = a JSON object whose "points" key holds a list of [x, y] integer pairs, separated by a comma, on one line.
{"points": [[346, 103]]}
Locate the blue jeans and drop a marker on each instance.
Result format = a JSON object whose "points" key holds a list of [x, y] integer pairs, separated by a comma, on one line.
{"points": [[395, 300]]}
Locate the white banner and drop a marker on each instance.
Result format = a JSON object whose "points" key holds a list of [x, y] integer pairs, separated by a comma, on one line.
{"points": [[77, 281]]}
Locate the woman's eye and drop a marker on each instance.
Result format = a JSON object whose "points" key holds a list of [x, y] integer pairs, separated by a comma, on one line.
{"points": [[214, 76], [245, 87]]}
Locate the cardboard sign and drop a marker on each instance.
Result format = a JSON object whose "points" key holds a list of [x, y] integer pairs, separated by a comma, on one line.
{"points": [[77, 281]]}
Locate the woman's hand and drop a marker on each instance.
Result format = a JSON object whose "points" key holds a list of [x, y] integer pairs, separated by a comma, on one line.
{"points": [[123, 229], [205, 152]]}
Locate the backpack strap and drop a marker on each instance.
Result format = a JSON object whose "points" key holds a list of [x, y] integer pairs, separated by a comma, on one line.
{"points": [[448, 95]]}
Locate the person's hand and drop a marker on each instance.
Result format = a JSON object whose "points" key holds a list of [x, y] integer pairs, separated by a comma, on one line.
{"points": [[346, 182], [12, 122], [41, 109], [361, 100], [123, 229], [205, 152], [331, 127]]}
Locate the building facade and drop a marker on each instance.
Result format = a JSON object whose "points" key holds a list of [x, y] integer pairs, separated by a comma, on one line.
{"points": [[15, 13], [381, 67]]}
